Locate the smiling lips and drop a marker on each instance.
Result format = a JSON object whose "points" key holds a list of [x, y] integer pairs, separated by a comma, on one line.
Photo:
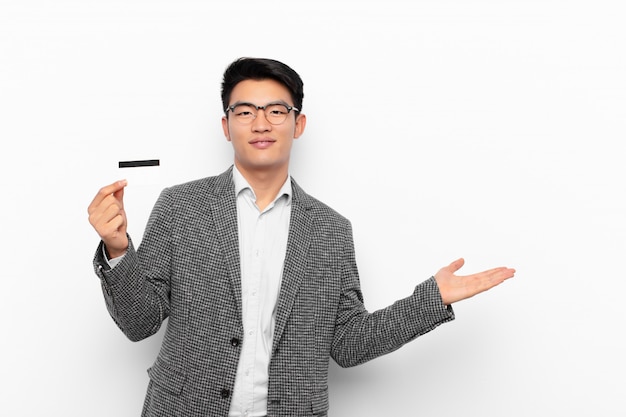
{"points": [[262, 143]]}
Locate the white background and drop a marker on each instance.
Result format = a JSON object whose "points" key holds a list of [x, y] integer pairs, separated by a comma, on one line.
{"points": [[491, 130]]}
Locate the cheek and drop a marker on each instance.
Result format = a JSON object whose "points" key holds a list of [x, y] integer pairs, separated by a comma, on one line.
{"points": [[235, 135]]}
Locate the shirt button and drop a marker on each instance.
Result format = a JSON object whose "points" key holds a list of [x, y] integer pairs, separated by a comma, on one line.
{"points": [[234, 342], [225, 393]]}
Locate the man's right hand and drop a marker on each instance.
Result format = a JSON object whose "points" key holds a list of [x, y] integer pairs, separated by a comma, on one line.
{"points": [[107, 216]]}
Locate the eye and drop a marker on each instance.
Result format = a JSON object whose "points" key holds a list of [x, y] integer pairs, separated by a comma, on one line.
{"points": [[244, 111], [277, 110]]}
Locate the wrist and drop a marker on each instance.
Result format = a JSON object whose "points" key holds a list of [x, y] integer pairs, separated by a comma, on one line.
{"points": [[113, 253]]}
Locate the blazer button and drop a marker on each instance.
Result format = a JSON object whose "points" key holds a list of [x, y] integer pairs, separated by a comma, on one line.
{"points": [[234, 342], [225, 393]]}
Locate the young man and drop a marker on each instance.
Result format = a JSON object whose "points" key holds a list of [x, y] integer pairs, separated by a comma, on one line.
{"points": [[258, 279]]}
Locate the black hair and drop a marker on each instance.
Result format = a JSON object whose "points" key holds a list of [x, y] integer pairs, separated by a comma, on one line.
{"points": [[262, 69]]}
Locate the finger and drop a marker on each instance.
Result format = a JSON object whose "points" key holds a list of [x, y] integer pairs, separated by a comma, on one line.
{"points": [[492, 271], [107, 210], [496, 276], [112, 227], [506, 273], [114, 210], [501, 272], [106, 191]]}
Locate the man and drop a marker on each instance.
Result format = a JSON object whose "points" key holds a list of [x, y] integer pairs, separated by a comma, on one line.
{"points": [[258, 279]]}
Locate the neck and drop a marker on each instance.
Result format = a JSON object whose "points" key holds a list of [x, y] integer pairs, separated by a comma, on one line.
{"points": [[266, 183]]}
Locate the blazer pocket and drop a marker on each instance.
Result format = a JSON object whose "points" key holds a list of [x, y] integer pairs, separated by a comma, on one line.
{"points": [[167, 377], [319, 402]]}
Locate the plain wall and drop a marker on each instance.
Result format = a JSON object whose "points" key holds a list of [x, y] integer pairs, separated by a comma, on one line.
{"points": [[489, 130]]}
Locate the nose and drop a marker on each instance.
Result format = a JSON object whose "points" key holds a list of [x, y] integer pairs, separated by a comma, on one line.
{"points": [[260, 122]]}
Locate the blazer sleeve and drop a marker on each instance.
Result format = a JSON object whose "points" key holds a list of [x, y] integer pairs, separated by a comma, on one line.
{"points": [[361, 336], [137, 290]]}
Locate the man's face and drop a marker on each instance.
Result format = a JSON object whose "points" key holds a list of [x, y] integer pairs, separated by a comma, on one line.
{"points": [[261, 145]]}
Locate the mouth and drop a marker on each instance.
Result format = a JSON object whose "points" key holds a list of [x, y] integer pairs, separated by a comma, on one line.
{"points": [[262, 143]]}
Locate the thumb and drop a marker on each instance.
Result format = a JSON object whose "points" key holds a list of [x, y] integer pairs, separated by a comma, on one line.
{"points": [[119, 194], [456, 265]]}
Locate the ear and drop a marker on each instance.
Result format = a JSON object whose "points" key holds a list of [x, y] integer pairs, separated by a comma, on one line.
{"points": [[300, 125], [225, 128]]}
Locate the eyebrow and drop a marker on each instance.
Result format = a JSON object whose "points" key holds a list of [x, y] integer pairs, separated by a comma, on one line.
{"points": [[237, 103]]}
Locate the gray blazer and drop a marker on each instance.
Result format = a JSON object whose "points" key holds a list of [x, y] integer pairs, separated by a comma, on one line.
{"points": [[187, 270]]}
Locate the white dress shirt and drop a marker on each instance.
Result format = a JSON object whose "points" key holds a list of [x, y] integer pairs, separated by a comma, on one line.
{"points": [[262, 248]]}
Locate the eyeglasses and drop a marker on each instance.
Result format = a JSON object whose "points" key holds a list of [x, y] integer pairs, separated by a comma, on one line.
{"points": [[275, 113]]}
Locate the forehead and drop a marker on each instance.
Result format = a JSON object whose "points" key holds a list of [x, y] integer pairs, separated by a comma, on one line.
{"points": [[260, 92]]}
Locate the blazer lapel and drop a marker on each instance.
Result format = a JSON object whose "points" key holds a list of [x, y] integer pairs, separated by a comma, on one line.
{"points": [[298, 243], [224, 212]]}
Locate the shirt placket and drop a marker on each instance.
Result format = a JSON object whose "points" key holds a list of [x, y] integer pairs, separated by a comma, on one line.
{"points": [[254, 307]]}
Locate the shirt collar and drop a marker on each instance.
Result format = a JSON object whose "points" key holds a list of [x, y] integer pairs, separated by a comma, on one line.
{"points": [[242, 184]]}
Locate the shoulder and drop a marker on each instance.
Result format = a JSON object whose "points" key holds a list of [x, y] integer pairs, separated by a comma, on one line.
{"points": [[202, 188], [321, 211]]}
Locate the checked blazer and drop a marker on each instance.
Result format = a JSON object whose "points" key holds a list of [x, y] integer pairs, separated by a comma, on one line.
{"points": [[187, 270]]}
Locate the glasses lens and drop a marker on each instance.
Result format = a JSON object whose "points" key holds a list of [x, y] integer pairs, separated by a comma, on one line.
{"points": [[244, 113], [276, 113]]}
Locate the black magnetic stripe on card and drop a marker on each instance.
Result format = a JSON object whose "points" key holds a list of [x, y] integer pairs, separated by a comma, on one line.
{"points": [[143, 163]]}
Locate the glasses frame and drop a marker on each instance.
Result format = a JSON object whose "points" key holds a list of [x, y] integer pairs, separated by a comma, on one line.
{"points": [[231, 108]]}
